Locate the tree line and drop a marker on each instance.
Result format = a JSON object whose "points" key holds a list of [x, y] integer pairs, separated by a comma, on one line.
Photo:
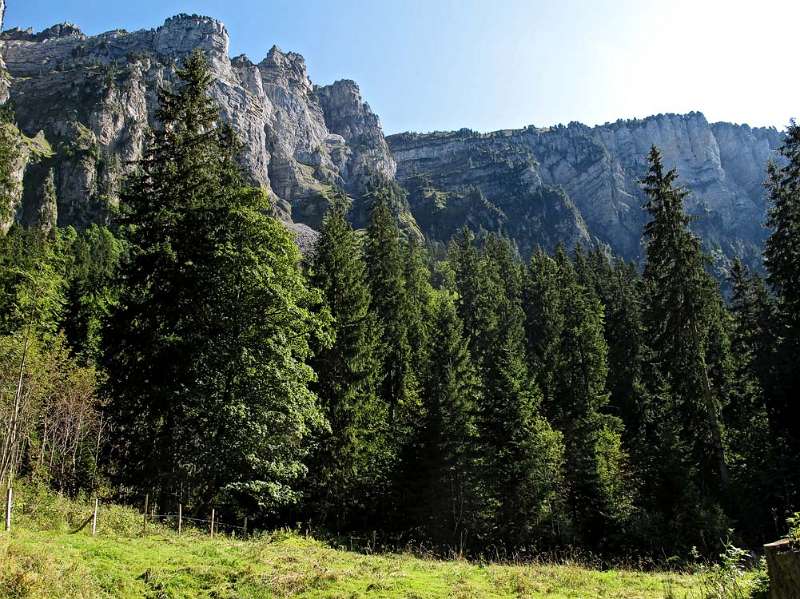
{"points": [[465, 398]]}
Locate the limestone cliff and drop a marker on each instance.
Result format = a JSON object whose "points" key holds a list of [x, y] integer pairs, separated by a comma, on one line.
{"points": [[94, 97], [597, 170]]}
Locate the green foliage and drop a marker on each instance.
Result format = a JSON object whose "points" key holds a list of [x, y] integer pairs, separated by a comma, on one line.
{"points": [[10, 153], [207, 348], [349, 471], [749, 443], [568, 352], [466, 400], [520, 454], [794, 526], [32, 283], [683, 324], [50, 410], [727, 578], [782, 258], [93, 290], [444, 498], [391, 305]]}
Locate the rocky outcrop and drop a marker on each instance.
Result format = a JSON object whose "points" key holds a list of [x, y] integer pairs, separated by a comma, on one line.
{"points": [[4, 76], [95, 96], [24, 155], [346, 114], [488, 182], [598, 169]]}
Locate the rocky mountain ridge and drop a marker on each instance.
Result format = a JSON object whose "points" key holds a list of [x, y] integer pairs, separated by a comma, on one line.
{"points": [[93, 99], [452, 175], [95, 96]]}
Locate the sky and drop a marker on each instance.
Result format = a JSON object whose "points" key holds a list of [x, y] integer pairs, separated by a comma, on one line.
{"points": [[427, 65]]}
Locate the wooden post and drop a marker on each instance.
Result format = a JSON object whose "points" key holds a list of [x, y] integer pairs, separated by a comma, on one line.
{"points": [[9, 499], [245, 526], [212, 522], [146, 501], [180, 517], [94, 516]]}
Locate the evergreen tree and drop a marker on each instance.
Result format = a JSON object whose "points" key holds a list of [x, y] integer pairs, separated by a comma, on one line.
{"points": [[32, 281], [618, 287], [572, 362], [350, 461], [521, 454], [94, 259], [544, 323], [782, 257], [421, 305], [445, 499], [207, 348], [683, 310], [756, 480], [390, 303], [10, 151]]}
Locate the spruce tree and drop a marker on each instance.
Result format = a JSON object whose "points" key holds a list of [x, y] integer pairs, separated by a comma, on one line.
{"points": [[206, 351], [756, 468], [10, 151], [521, 454], [95, 256], [572, 363], [445, 499], [782, 257], [421, 305], [350, 460], [683, 309], [390, 303]]}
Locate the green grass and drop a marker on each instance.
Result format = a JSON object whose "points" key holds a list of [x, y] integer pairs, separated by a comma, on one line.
{"points": [[42, 557]]}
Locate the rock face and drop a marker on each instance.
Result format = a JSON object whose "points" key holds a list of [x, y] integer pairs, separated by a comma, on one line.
{"points": [[486, 181], [94, 98], [4, 77], [494, 180]]}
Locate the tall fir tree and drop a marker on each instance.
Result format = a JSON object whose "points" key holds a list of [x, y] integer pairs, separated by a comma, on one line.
{"points": [[207, 350], [682, 319], [92, 292], [756, 486], [782, 258], [445, 499], [572, 362], [350, 461], [390, 302], [521, 455]]}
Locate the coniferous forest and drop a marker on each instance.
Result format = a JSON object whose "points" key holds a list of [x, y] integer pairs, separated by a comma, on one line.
{"points": [[469, 398]]}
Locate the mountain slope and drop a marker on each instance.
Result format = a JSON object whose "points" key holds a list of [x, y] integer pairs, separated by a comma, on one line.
{"points": [[95, 96], [598, 170]]}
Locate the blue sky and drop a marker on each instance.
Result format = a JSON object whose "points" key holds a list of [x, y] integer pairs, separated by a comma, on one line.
{"points": [[428, 65]]}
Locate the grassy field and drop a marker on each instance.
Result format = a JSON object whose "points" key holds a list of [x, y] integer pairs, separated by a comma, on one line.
{"points": [[41, 557]]}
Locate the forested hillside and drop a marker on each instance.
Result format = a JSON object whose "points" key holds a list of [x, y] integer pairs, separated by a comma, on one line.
{"points": [[463, 398]]}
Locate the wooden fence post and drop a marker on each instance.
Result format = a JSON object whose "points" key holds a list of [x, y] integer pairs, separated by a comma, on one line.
{"points": [[94, 516], [245, 526], [180, 517], [9, 499], [212, 522], [146, 501]]}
